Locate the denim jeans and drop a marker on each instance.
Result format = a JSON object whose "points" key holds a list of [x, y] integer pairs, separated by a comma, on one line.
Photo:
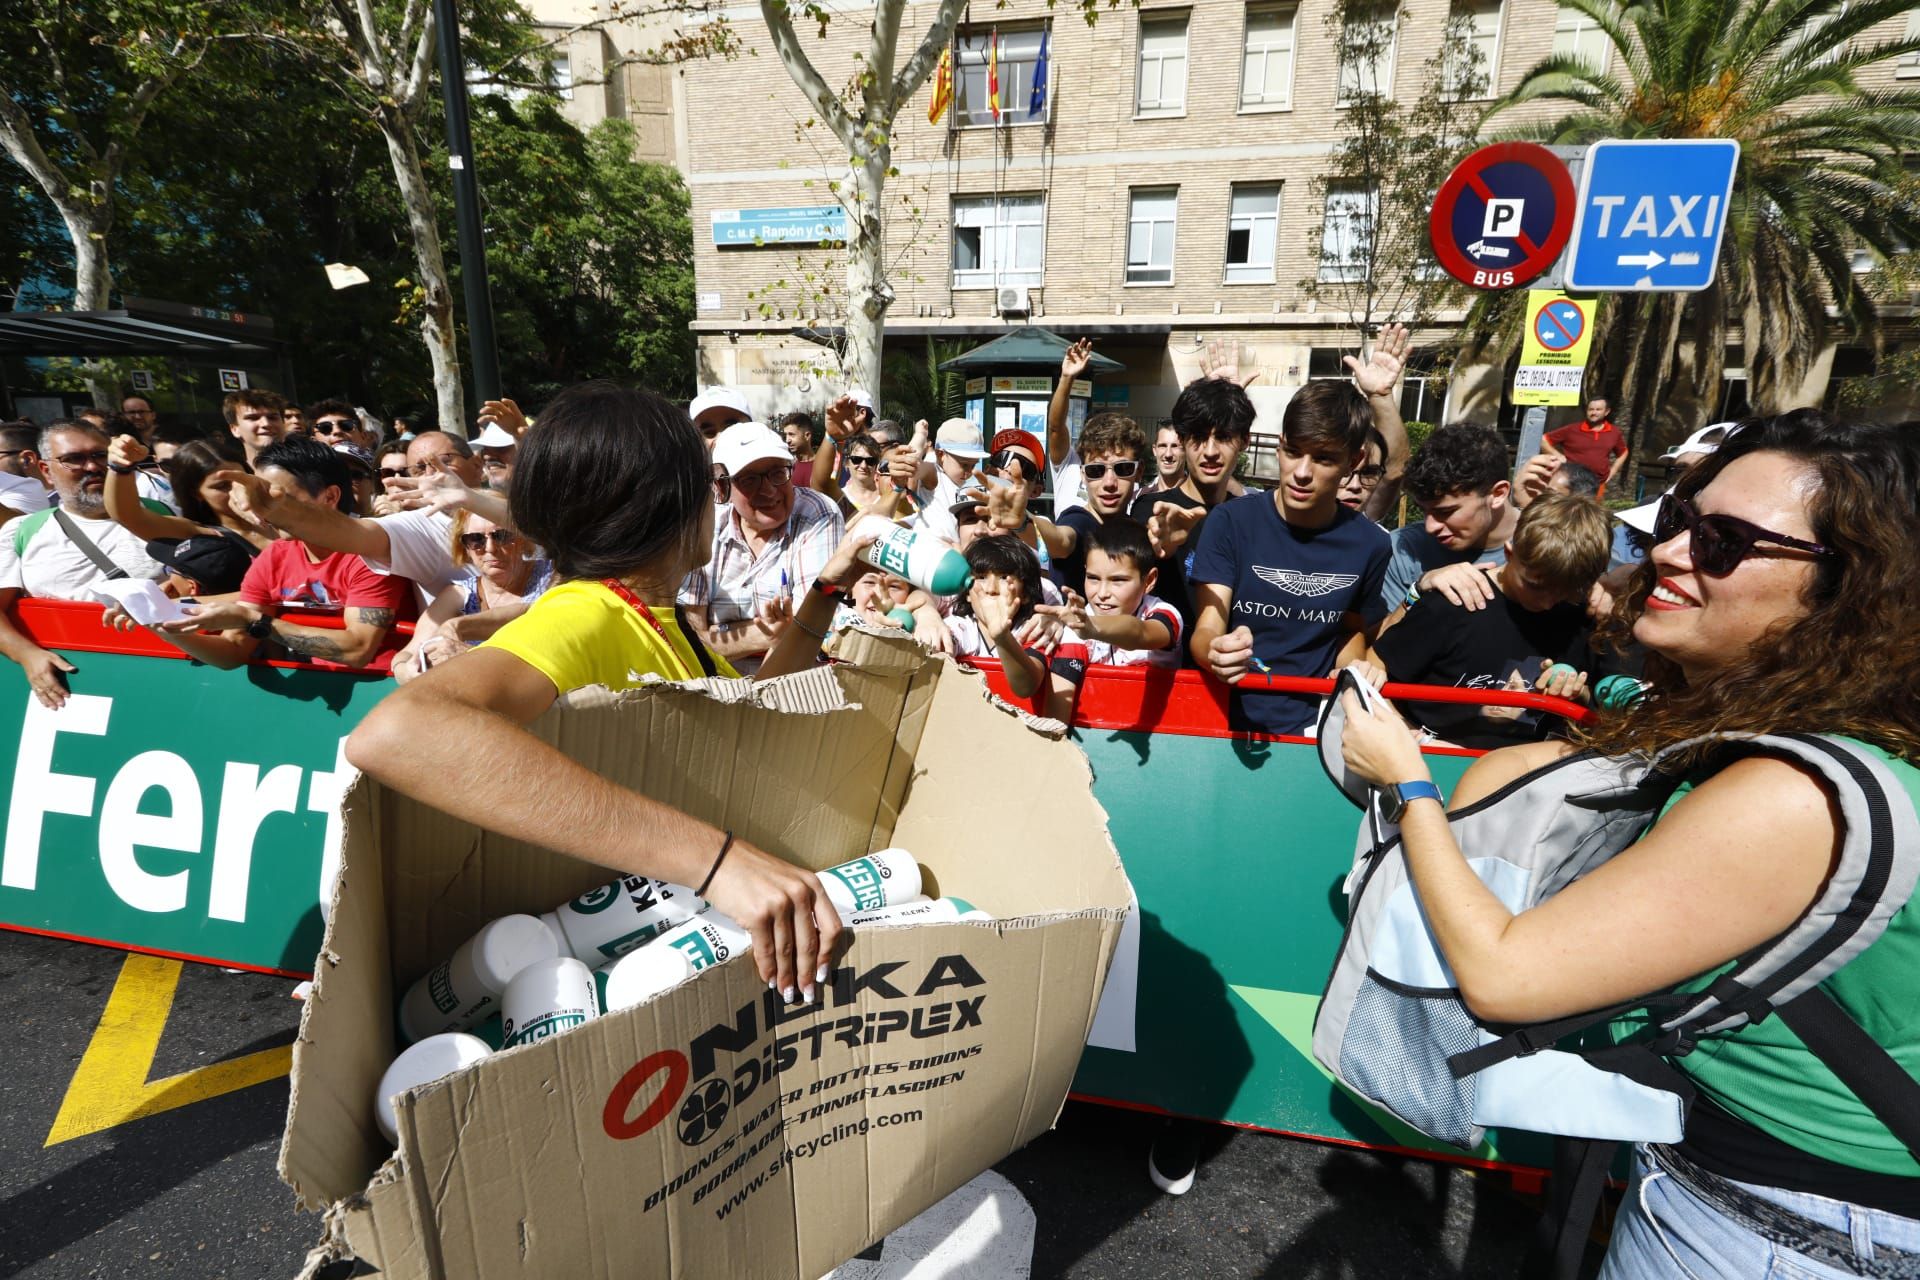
{"points": [[1668, 1228]]}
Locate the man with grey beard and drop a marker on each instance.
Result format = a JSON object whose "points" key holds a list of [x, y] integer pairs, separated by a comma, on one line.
{"points": [[65, 551]]}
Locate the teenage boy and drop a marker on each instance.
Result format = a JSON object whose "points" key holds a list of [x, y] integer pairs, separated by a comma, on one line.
{"points": [[1121, 620], [256, 419], [1111, 457], [1459, 478], [1537, 619], [1289, 582], [1214, 417]]}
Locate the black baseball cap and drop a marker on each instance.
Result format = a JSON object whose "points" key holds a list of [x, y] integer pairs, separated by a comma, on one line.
{"points": [[215, 562]]}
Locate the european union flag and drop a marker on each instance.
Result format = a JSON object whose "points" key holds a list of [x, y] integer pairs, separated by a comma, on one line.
{"points": [[1037, 105]]}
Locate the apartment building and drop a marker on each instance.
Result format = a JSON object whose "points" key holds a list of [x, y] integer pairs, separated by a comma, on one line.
{"points": [[1159, 196]]}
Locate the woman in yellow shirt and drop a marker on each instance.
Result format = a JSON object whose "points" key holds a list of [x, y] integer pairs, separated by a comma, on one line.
{"points": [[616, 485]]}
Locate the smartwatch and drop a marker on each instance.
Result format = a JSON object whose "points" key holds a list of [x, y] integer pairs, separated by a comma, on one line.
{"points": [[261, 627], [1399, 795]]}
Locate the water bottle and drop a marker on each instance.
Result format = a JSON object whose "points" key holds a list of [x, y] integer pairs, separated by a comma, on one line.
{"points": [[921, 911], [606, 923], [1616, 693], [705, 941], [639, 977], [546, 998], [432, 1059], [466, 987], [920, 558], [877, 880]]}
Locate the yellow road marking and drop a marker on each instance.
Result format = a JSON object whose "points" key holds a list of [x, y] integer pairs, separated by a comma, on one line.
{"points": [[110, 1086]]}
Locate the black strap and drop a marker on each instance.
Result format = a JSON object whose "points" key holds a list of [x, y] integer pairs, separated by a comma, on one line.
{"points": [[87, 548], [693, 638], [237, 540], [1573, 1199], [1860, 1062], [1535, 1036]]}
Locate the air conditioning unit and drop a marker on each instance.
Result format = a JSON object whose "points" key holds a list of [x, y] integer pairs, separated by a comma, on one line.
{"points": [[1012, 302]]}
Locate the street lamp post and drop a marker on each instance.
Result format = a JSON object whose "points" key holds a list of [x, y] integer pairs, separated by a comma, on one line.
{"points": [[481, 348]]}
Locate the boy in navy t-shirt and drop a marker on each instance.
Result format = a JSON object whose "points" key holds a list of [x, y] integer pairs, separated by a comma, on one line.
{"points": [[1289, 581]]}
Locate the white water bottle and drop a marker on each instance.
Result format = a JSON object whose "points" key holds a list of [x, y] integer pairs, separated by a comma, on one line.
{"points": [[921, 911], [423, 1063], [545, 999], [920, 558], [466, 987], [706, 940], [636, 978], [606, 923], [876, 880]]}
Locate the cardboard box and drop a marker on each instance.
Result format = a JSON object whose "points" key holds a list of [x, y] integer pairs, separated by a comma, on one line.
{"points": [[713, 1131]]}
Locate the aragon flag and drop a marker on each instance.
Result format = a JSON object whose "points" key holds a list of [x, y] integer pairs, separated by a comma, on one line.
{"points": [[993, 73], [942, 87]]}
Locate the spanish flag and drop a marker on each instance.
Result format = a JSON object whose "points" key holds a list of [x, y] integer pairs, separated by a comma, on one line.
{"points": [[993, 73], [942, 87]]}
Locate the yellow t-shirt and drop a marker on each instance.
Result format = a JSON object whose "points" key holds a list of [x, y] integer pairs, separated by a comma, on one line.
{"points": [[580, 633]]}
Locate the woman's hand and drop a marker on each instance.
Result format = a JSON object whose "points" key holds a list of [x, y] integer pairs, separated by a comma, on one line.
{"points": [[842, 415], [1377, 745], [794, 927], [126, 451], [1564, 683], [845, 567]]}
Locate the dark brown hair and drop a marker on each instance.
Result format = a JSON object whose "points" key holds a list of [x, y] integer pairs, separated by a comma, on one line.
{"points": [[1845, 666]]}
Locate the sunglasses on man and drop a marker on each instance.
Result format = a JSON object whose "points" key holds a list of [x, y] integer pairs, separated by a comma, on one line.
{"points": [[1717, 544], [1004, 460], [1125, 470]]}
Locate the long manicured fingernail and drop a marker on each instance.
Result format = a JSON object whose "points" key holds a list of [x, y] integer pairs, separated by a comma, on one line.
{"points": [[772, 985], [786, 994], [821, 975], [806, 995]]}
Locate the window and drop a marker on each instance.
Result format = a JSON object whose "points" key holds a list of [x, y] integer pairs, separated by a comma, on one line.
{"points": [[1266, 73], [1150, 227], [998, 243], [1909, 64], [1366, 54], [1163, 65], [1346, 236], [1816, 25], [562, 77], [1019, 51], [1575, 35], [1253, 227], [1473, 48]]}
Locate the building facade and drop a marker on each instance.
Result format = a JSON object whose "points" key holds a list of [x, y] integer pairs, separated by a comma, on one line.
{"points": [[1160, 197]]}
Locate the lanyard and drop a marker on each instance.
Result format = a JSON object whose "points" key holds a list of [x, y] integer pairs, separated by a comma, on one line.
{"points": [[620, 589]]}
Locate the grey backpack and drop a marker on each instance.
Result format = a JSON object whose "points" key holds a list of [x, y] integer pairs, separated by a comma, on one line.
{"points": [[1393, 1028]]}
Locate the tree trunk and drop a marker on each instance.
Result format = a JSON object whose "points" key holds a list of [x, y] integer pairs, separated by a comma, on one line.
{"points": [[868, 295], [430, 266], [92, 284]]}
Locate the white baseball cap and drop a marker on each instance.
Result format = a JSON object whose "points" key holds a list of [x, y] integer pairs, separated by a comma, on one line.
{"points": [[1640, 518], [960, 438], [1703, 441], [494, 437], [719, 398], [860, 396], [745, 443]]}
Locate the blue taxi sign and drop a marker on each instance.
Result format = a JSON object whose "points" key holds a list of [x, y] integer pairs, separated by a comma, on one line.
{"points": [[1651, 214]]}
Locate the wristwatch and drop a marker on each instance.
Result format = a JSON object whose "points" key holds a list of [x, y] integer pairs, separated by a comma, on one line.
{"points": [[261, 627], [1399, 795]]}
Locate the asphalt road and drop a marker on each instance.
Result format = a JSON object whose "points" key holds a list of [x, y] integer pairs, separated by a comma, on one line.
{"points": [[192, 1190]]}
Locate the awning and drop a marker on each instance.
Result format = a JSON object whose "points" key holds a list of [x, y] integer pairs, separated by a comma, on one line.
{"points": [[1031, 345], [141, 327]]}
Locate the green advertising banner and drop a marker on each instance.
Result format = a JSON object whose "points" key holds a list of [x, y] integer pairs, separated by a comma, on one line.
{"points": [[177, 808]]}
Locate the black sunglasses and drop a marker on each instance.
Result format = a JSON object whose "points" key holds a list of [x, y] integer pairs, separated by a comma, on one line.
{"points": [[391, 473], [477, 542], [1717, 544], [862, 460], [1126, 470], [1003, 460], [327, 426]]}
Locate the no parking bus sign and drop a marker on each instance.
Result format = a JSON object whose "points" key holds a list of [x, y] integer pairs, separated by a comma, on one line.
{"points": [[1502, 216], [1553, 353]]}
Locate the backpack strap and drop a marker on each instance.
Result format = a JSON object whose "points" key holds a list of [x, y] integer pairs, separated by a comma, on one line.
{"points": [[87, 547], [1559, 1242], [1861, 1063]]}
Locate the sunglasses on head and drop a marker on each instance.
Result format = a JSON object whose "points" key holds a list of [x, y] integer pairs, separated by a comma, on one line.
{"points": [[1126, 470], [1717, 544], [477, 542]]}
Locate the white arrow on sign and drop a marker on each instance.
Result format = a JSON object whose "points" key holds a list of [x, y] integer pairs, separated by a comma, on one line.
{"points": [[1649, 260]]}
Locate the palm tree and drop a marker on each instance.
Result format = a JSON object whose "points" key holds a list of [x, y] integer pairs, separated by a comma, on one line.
{"points": [[1821, 175]]}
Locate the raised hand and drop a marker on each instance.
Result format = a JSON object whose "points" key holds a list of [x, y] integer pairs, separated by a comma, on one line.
{"points": [[1380, 372], [1072, 614], [1169, 527], [1076, 358], [1006, 506], [506, 414], [993, 610], [1040, 631], [842, 417], [435, 491], [126, 451]]}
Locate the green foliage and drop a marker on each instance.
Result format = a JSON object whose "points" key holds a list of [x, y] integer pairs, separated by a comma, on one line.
{"points": [[912, 386], [1821, 174]]}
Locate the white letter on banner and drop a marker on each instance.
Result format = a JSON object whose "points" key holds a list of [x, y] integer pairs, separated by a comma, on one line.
{"points": [[38, 790], [123, 827], [245, 801], [324, 790]]}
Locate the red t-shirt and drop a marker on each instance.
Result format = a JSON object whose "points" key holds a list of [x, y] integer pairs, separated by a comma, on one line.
{"points": [[283, 577], [1592, 447]]}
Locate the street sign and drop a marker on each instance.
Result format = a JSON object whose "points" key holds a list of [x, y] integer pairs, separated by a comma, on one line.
{"points": [[1651, 214], [1502, 216], [747, 228], [1553, 353]]}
